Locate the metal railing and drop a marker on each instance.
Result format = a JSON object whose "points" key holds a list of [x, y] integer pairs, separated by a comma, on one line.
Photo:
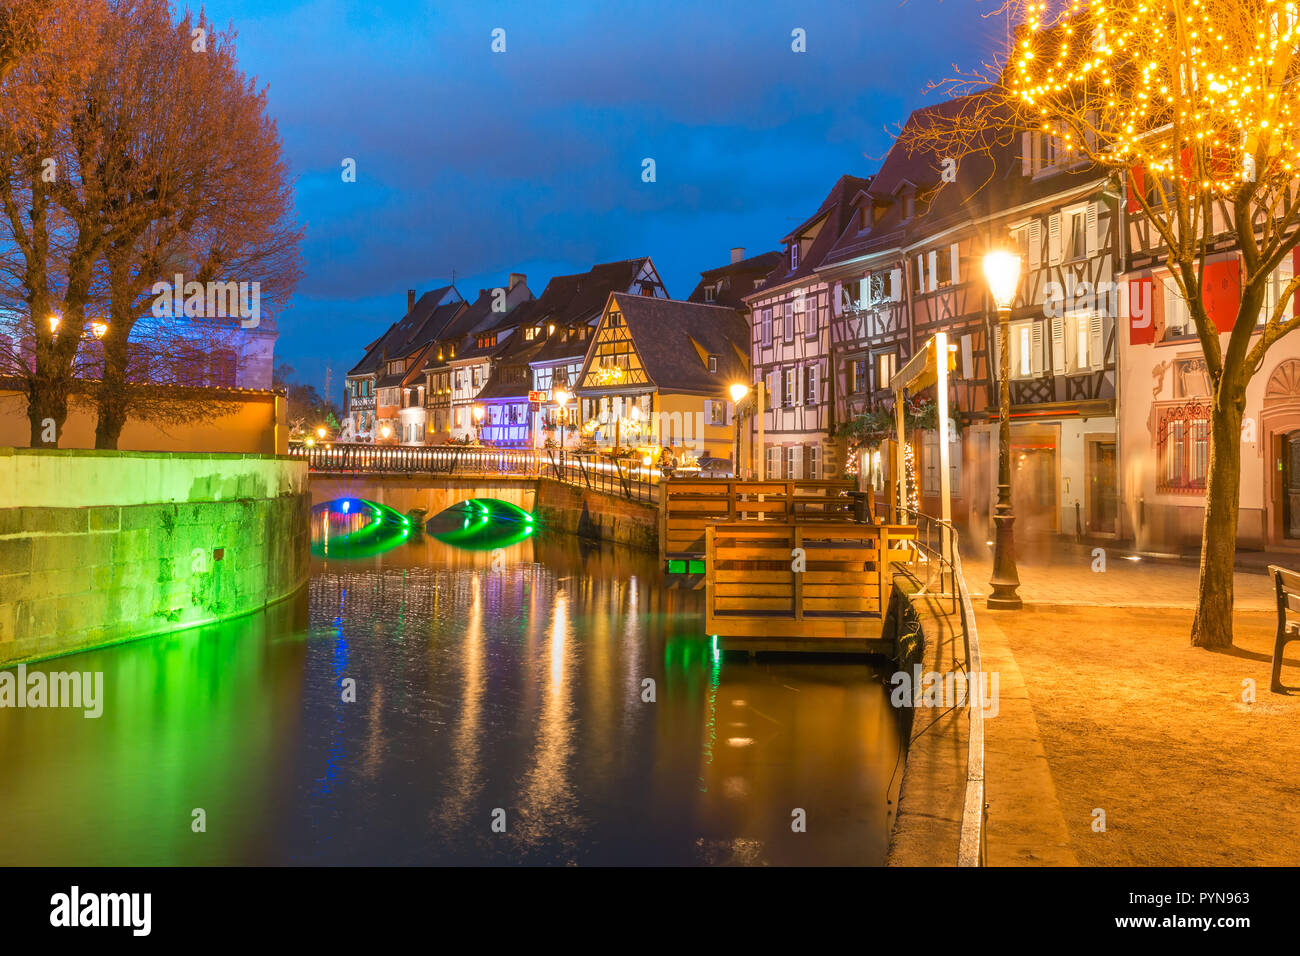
{"points": [[634, 482], [938, 549]]}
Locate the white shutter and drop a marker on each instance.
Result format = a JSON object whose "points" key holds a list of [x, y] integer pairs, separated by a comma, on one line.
{"points": [[1097, 343], [1054, 240], [920, 272], [864, 292], [796, 471], [812, 383], [1092, 240], [1036, 348], [955, 271], [774, 388], [799, 385], [1035, 244], [934, 271], [1026, 154], [896, 285], [967, 357], [1058, 345]]}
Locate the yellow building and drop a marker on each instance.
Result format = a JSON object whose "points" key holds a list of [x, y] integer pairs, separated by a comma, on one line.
{"points": [[658, 374]]}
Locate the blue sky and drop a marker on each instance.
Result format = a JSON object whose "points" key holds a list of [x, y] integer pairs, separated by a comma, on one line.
{"points": [[530, 160]]}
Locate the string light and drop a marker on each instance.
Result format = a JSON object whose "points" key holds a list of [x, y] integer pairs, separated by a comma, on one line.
{"points": [[1224, 84]]}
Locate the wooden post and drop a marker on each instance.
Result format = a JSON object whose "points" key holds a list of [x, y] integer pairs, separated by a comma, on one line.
{"points": [[900, 474], [760, 453]]}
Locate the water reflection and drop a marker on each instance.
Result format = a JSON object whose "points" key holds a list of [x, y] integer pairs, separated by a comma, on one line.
{"points": [[480, 685]]}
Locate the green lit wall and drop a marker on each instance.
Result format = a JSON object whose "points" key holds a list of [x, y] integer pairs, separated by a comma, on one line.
{"points": [[99, 573]]}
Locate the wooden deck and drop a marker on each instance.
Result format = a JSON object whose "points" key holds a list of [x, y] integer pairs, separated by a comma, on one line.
{"points": [[756, 600], [688, 506]]}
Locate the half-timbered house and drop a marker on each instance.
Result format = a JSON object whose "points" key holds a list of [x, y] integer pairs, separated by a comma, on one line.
{"points": [[789, 347]]}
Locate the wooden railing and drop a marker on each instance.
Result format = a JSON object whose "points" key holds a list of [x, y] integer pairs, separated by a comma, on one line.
{"points": [[687, 506], [797, 579]]}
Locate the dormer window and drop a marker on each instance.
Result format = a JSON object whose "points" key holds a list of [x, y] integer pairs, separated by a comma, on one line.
{"points": [[794, 254], [909, 205], [713, 363], [710, 293]]}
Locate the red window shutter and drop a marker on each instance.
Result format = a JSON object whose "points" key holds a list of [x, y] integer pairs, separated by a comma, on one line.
{"points": [[1221, 292], [1141, 312], [1136, 182]]}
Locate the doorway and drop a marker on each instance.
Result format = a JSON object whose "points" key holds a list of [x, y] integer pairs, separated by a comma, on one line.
{"points": [[1102, 489], [1291, 485]]}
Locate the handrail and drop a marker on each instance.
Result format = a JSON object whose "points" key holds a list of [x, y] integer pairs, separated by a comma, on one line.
{"points": [[971, 845], [638, 483]]}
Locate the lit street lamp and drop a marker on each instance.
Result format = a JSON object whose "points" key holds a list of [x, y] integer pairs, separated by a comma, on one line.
{"points": [[479, 412], [738, 392], [561, 396], [1002, 270]]}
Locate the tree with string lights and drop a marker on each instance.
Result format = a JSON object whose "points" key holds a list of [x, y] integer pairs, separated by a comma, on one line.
{"points": [[1194, 106]]}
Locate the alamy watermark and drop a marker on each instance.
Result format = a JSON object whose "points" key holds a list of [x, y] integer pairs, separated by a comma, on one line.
{"points": [[76, 689], [210, 300], [952, 689]]}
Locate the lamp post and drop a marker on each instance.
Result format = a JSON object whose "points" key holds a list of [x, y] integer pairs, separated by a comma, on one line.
{"points": [[1002, 270], [561, 396], [738, 392]]}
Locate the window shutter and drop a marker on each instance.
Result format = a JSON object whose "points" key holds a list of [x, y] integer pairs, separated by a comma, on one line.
{"points": [[934, 270], [1054, 240], [1097, 341], [1058, 345], [797, 470], [835, 299], [774, 388], [967, 357], [896, 285], [864, 292], [1035, 244], [1036, 348], [955, 252], [1026, 154], [1093, 238], [799, 385], [920, 273]]}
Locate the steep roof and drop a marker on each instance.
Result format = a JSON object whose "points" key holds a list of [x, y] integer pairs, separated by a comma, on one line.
{"points": [[413, 331], [572, 300], [832, 216], [670, 336], [737, 279], [982, 183]]}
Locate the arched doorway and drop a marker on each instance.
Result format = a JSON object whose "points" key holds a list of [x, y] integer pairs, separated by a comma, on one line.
{"points": [[1279, 444]]}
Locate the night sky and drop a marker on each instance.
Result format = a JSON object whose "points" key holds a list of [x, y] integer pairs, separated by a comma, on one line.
{"points": [[530, 160]]}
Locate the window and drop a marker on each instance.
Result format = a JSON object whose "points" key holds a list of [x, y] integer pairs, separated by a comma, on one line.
{"points": [[792, 386], [943, 267], [713, 363], [787, 324], [886, 366], [1182, 447], [794, 254], [810, 385], [774, 461], [812, 318], [1076, 234], [717, 413], [767, 328], [931, 462], [1078, 343], [812, 461], [1277, 283], [1178, 317], [1026, 349], [792, 461], [857, 376]]}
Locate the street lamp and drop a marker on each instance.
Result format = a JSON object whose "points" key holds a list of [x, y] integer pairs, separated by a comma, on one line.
{"points": [[1002, 270], [738, 392], [479, 412], [561, 396], [320, 432], [100, 329]]}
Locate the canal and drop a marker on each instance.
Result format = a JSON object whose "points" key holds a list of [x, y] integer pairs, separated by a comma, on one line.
{"points": [[497, 685]]}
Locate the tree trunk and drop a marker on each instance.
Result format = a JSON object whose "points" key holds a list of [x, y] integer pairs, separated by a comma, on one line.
{"points": [[112, 392], [1212, 626], [47, 410]]}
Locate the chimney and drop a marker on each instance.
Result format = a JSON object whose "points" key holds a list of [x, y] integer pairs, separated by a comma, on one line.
{"points": [[737, 253], [516, 278], [410, 299]]}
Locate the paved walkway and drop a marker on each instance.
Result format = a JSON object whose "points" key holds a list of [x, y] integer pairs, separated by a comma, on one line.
{"points": [[1064, 577]]}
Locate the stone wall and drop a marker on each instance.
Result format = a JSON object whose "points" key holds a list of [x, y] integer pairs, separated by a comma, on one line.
{"points": [[98, 547], [596, 514]]}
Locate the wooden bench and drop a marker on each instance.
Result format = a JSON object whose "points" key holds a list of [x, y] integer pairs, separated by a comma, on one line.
{"points": [[1287, 583]]}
